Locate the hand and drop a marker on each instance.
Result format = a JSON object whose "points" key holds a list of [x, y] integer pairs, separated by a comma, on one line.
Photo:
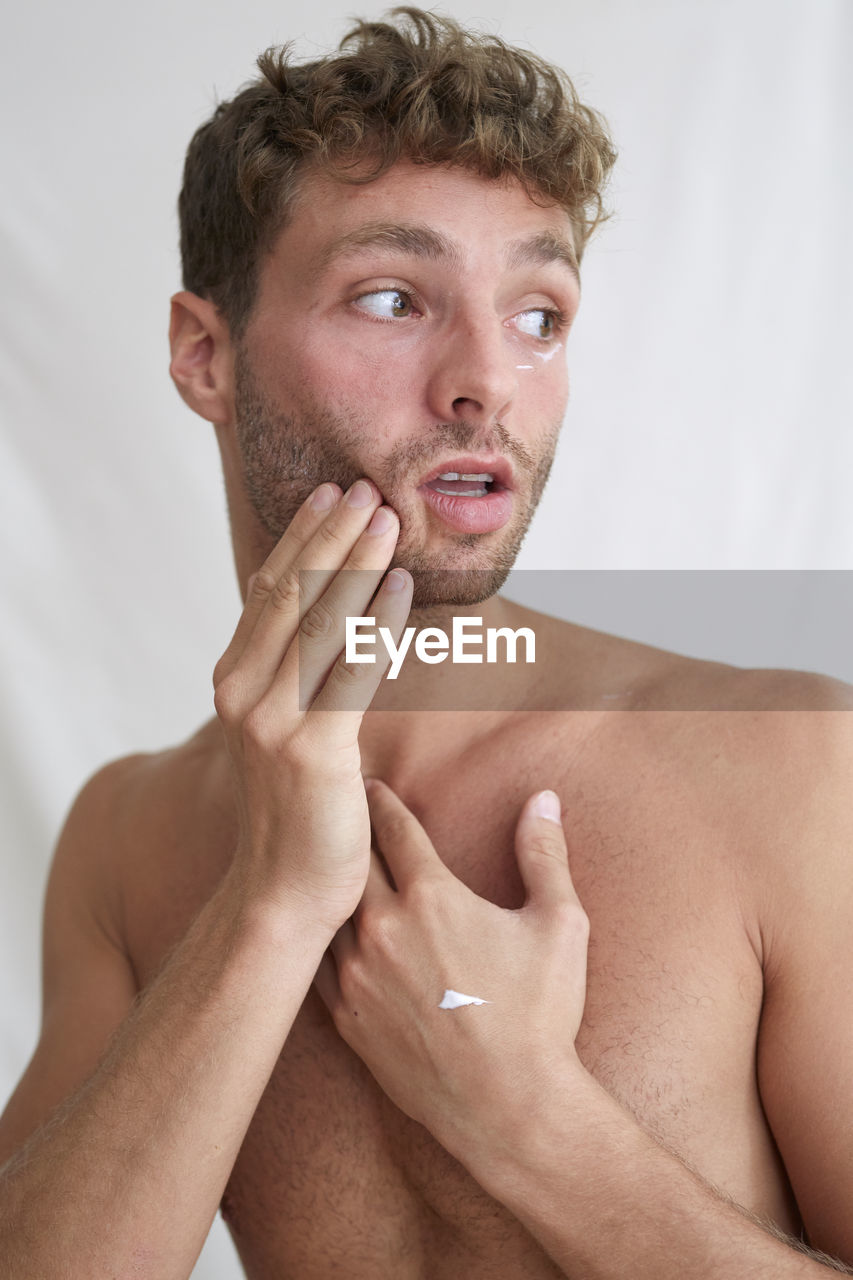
{"points": [[459, 1070], [304, 824]]}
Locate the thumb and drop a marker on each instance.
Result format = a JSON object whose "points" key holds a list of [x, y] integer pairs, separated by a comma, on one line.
{"points": [[540, 849]]}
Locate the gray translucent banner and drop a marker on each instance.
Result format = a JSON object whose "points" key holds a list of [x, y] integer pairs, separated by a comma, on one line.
{"points": [[617, 640]]}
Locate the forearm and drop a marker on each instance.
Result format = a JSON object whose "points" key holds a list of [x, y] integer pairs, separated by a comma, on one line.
{"points": [[606, 1200], [127, 1176]]}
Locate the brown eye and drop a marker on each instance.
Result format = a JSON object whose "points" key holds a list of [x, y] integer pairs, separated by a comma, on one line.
{"points": [[540, 323], [386, 304]]}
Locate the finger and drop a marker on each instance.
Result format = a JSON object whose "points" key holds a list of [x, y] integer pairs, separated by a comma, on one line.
{"points": [[299, 532], [540, 850], [302, 580], [322, 632], [405, 846], [348, 687]]}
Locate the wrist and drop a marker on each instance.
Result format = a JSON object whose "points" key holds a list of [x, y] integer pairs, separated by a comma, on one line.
{"points": [[500, 1142], [278, 919]]}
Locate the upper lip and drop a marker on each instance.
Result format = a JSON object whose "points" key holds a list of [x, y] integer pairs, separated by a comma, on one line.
{"points": [[498, 468]]}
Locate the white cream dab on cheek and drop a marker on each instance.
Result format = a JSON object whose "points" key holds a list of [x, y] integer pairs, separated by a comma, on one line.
{"points": [[543, 356], [455, 999]]}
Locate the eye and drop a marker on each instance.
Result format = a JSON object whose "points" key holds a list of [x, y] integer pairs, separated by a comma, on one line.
{"points": [[541, 322], [387, 304]]}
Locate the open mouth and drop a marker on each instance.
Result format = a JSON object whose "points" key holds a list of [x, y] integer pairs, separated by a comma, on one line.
{"points": [[468, 498], [466, 485]]}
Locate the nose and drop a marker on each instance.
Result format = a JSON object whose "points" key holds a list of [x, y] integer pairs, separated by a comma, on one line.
{"points": [[474, 376]]}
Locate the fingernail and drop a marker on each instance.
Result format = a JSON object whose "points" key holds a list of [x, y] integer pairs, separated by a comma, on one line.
{"points": [[547, 805], [382, 521], [360, 494], [396, 580], [368, 783], [323, 498]]}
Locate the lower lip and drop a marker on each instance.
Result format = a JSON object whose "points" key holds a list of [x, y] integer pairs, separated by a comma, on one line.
{"points": [[471, 515]]}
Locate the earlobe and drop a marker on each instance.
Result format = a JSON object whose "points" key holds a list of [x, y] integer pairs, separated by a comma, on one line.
{"points": [[202, 360]]}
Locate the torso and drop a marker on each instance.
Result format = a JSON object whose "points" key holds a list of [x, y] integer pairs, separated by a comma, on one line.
{"points": [[662, 830]]}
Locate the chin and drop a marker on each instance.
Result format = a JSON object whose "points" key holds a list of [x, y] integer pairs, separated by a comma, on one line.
{"points": [[438, 581], [455, 587], [466, 572]]}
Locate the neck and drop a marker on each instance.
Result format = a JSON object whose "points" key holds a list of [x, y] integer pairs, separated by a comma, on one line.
{"points": [[487, 680]]}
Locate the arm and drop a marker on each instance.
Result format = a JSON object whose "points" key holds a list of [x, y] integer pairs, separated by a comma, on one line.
{"points": [[500, 1085], [805, 1044], [126, 1176]]}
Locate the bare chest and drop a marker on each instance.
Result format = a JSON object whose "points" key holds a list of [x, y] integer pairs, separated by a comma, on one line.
{"points": [[332, 1175]]}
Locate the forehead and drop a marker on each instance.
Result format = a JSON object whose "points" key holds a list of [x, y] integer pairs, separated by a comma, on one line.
{"points": [[470, 217]]}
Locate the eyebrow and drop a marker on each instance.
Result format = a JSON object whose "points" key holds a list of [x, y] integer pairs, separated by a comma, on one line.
{"points": [[540, 250], [418, 241]]}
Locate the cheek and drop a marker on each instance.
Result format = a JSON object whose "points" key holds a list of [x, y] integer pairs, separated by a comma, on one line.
{"points": [[550, 363], [543, 384], [362, 375]]}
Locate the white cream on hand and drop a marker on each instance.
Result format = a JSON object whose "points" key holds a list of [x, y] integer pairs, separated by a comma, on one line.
{"points": [[455, 999]]}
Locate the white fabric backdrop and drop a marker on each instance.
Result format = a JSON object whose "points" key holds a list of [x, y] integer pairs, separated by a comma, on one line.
{"points": [[709, 424]]}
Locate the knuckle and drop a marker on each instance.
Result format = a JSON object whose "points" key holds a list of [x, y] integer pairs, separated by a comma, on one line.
{"points": [[223, 668], [259, 730], [544, 848], [263, 583], [226, 698], [318, 622], [571, 917], [329, 535], [349, 673], [376, 926], [285, 592]]}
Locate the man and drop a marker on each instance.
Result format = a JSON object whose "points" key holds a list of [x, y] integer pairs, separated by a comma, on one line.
{"points": [[610, 1046]]}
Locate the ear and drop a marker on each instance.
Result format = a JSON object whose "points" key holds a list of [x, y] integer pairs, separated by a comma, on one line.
{"points": [[202, 364]]}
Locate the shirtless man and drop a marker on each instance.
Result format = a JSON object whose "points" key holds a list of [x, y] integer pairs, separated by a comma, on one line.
{"points": [[659, 1082]]}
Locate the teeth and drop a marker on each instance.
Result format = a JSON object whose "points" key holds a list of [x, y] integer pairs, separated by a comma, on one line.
{"points": [[454, 475]]}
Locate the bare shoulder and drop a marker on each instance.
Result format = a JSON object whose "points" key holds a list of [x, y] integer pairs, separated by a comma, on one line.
{"points": [[120, 817], [90, 978], [589, 669], [138, 788], [798, 754], [770, 753], [779, 738], [770, 750]]}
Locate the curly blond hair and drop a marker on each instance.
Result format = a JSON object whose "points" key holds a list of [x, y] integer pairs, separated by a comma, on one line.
{"points": [[421, 88]]}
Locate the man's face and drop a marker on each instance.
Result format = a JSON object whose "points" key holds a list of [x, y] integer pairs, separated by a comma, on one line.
{"points": [[409, 329]]}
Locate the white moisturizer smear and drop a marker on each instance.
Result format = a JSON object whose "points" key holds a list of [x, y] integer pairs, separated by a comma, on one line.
{"points": [[455, 1000]]}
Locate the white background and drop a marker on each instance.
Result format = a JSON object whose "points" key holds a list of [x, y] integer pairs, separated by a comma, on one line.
{"points": [[709, 426]]}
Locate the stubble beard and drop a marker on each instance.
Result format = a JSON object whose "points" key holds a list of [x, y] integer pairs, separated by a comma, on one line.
{"points": [[286, 456]]}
